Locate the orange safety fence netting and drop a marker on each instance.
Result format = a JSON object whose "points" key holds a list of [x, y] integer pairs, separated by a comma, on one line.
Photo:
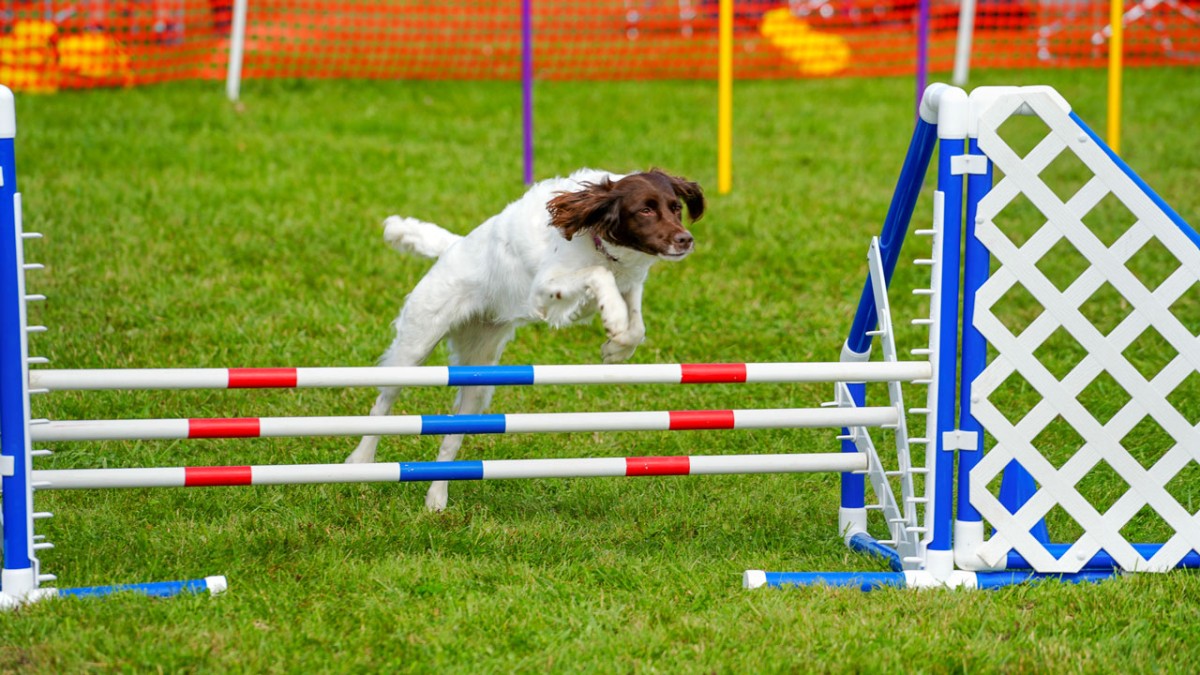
{"points": [[54, 44]]}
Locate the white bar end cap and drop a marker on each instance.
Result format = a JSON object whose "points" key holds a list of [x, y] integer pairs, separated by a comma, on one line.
{"points": [[216, 584], [754, 579]]}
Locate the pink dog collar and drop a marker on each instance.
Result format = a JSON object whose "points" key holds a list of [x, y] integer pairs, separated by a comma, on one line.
{"points": [[600, 247]]}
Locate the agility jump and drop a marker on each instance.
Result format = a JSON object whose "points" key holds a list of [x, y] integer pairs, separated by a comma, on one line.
{"points": [[919, 535], [967, 416]]}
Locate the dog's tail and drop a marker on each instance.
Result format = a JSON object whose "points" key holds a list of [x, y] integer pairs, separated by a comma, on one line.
{"points": [[409, 235]]}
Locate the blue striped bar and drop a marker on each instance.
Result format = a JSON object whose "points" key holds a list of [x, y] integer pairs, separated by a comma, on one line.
{"points": [[865, 581], [157, 589], [467, 376], [950, 185], [426, 471], [440, 425]]}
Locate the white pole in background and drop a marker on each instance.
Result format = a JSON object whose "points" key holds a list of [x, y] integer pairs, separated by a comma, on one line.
{"points": [[237, 48], [962, 48]]}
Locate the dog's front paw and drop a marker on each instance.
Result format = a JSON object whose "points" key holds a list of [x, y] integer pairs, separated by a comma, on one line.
{"points": [[560, 310], [620, 347], [553, 308]]}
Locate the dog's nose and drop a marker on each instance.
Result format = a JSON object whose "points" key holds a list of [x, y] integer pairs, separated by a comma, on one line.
{"points": [[684, 239]]}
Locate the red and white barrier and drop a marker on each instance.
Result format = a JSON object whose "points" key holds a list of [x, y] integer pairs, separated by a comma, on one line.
{"points": [[426, 376], [277, 427], [207, 476]]}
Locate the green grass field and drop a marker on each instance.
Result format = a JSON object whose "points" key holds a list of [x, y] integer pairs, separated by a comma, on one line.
{"points": [[182, 232]]}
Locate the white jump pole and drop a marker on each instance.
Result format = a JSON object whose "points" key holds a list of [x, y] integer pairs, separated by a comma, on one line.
{"points": [[308, 474], [705, 373], [391, 425], [962, 43], [237, 51]]}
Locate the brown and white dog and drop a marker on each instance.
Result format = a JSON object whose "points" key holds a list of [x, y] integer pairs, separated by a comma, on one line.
{"points": [[566, 250]]}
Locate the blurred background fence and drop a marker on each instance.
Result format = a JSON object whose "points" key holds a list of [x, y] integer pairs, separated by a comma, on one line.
{"points": [[52, 44]]}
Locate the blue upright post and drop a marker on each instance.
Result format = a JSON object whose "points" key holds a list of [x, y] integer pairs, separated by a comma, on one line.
{"points": [[852, 516], [948, 205], [974, 346], [19, 576], [968, 524], [1017, 485]]}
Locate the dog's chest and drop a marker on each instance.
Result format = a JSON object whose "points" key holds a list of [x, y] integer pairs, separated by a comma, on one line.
{"points": [[628, 278]]}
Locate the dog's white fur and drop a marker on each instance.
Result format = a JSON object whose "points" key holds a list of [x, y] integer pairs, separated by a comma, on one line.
{"points": [[512, 270]]}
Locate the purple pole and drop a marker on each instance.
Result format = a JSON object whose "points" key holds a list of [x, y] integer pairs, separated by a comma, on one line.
{"points": [[922, 50], [527, 84]]}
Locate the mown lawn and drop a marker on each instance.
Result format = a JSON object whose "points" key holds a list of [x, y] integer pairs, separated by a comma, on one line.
{"points": [[181, 231]]}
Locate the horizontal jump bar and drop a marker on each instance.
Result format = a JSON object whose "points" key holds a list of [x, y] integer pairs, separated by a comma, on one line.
{"points": [[157, 589], [869, 581], [304, 474], [411, 425], [433, 376]]}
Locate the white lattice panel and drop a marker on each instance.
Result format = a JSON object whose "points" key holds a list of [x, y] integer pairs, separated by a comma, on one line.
{"points": [[1017, 270]]}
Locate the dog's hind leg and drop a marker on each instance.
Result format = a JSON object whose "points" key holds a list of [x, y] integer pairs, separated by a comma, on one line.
{"points": [[417, 333], [474, 344], [365, 452]]}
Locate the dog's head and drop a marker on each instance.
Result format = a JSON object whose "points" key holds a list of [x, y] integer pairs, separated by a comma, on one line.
{"points": [[642, 211]]}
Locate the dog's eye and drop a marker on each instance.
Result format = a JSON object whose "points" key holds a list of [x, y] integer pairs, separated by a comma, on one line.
{"points": [[646, 211], [676, 208]]}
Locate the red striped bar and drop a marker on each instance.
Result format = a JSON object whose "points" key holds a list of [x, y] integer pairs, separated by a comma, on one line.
{"points": [[207, 476], [403, 425], [658, 466], [262, 378], [243, 427], [713, 373], [424, 376], [687, 420], [311, 474]]}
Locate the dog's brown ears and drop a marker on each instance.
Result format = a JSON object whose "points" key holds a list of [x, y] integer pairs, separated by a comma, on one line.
{"points": [[593, 207], [598, 206], [687, 191]]}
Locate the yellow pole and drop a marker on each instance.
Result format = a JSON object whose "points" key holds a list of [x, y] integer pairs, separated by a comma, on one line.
{"points": [[1116, 50], [725, 99]]}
